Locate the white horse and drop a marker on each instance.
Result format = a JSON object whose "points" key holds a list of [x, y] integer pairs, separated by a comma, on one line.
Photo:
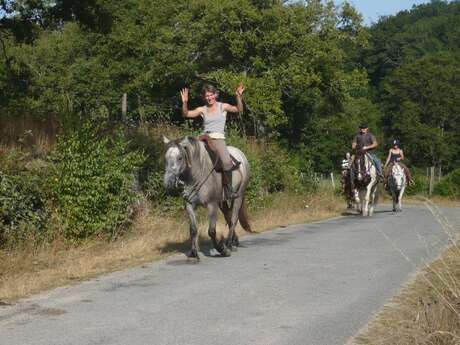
{"points": [[397, 183], [365, 182], [188, 163]]}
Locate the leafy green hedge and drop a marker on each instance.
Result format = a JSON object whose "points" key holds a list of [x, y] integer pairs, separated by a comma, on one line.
{"points": [[450, 185], [23, 215], [86, 186], [92, 183], [420, 183]]}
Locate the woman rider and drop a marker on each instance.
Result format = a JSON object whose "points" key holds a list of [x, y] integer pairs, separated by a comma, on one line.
{"points": [[395, 154], [214, 115]]}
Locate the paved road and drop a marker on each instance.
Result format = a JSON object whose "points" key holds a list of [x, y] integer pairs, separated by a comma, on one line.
{"points": [[314, 284]]}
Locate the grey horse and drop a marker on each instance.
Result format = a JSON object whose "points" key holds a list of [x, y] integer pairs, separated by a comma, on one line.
{"points": [[188, 163]]}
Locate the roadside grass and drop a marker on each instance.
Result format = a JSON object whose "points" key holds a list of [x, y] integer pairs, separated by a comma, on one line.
{"points": [[427, 311], [153, 237]]}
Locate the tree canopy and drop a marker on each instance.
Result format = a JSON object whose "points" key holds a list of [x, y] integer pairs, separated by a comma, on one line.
{"points": [[312, 70]]}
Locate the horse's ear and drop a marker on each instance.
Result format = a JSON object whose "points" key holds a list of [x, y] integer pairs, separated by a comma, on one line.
{"points": [[185, 143], [166, 140]]}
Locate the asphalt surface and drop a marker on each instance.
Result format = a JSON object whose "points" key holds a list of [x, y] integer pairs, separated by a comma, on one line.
{"points": [[309, 284]]}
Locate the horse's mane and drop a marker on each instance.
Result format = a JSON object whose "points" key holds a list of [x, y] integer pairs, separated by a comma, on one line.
{"points": [[197, 152]]}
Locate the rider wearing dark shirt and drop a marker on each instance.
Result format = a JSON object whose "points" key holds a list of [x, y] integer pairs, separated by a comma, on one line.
{"points": [[367, 142], [396, 155]]}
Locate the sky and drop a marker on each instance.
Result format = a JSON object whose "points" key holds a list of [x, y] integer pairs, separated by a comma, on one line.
{"points": [[371, 10]]}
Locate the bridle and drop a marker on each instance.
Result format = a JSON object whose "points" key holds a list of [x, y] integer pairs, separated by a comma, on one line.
{"points": [[189, 192]]}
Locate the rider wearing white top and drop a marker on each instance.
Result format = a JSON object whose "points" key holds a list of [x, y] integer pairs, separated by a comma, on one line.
{"points": [[214, 117]]}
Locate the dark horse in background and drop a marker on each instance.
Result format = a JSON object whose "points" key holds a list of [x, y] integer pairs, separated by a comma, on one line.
{"points": [[189, 164], [364, 181]]}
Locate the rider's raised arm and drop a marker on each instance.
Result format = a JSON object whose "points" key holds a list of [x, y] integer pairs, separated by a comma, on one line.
{"points": [[191, 113], [230, 108], [239, 101], [185, 111]]}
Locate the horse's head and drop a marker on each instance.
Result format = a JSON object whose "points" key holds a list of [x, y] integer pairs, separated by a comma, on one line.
{"points": [[177, 161], [398, 177], [359, 164]]}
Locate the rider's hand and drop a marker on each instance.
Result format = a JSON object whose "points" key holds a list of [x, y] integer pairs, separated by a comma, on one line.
{"points": [[239, 90], [184, 95]]}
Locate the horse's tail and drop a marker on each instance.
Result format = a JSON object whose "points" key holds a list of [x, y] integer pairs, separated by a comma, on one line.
{"points": [[243, 217]]}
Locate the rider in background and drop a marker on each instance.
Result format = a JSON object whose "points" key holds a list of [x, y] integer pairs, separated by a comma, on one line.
{"points": [[367, 142], [346, 180], [396, 154], [214, 116]]}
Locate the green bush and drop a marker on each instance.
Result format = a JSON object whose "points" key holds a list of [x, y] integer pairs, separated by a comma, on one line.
{"points": [[273, 170], [156, 192], [420, 184], [92, 182], [23, 215], [450, 185]]}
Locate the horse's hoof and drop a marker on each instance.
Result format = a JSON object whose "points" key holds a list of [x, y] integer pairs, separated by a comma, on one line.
{"points": [[222, 249], [193, 254]]}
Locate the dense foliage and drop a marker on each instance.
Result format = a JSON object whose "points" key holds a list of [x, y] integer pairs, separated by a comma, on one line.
{"points": [[450, 185], [92, 183], [23, 215], [312, 72], [300, 82], [413, 64]]}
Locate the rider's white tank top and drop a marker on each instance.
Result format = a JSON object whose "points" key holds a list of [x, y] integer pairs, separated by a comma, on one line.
{"points": [[214, 125]]}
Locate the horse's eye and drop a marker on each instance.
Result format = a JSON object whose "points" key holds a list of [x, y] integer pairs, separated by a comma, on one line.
{"points": [[179, 158]]}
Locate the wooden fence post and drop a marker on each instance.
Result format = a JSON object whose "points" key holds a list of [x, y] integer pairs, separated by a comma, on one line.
{"points": [[332, 180], [430, 190], [124, 107]]}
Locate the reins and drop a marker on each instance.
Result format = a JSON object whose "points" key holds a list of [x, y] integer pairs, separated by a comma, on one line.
{"points": [[193, 190]]}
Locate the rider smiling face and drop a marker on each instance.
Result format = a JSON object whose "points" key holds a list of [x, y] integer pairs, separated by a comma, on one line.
{"points": [[210, 98]]}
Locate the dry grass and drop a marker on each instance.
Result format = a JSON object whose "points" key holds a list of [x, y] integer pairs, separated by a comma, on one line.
{"points": [[153, 237], [427, 312]]}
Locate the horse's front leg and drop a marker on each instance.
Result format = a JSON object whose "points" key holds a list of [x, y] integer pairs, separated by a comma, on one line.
{"points": [[395, 201], [190, 208], [367, 198], [372, 199], [219, 246], [400, 198], [357, 201]]}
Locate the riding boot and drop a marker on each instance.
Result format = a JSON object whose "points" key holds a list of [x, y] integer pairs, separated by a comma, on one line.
{"points": [[229, 194]]}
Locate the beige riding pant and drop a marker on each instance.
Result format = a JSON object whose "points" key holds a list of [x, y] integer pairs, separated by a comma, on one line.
{"points": [[222, 152]]}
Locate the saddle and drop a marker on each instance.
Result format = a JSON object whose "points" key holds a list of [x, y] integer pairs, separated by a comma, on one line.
{"points": [[207, 140]]}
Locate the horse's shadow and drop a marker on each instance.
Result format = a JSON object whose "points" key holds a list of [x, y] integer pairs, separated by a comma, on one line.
{"points": [[206, 249], [350, 213]]}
